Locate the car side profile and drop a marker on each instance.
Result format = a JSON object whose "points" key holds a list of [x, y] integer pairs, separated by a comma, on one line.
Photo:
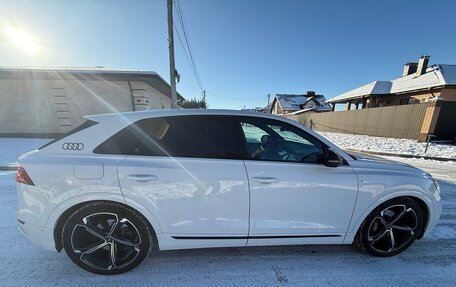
{"points": [[124, 185]]}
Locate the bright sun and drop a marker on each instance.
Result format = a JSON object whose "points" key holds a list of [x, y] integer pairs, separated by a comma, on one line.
{"points": [[22, 40]]}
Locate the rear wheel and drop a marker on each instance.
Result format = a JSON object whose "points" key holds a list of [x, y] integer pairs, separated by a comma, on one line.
{"points": [[391, 228], [107, 238]]}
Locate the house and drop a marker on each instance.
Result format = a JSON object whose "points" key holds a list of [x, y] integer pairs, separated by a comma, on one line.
{"points": [[421, 104], [283, 104], [265, 109], [418, 83], [46, 102]]}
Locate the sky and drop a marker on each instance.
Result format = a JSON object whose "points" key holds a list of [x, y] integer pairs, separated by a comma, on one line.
{"points": [[243, 49]]}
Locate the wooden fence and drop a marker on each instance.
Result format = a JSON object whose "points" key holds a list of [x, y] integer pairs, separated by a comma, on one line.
{"points": [[403, 121]]}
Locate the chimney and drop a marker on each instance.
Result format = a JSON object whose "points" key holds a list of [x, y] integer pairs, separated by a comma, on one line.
{"points": [[409, 69], [310, 93], [422, 65]]}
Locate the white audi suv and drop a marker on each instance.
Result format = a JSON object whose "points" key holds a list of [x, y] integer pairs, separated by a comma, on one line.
{"points": [[124, 185]]}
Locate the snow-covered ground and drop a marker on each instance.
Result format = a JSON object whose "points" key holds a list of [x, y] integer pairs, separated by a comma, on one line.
{"points": [[12, 148], [429, 262], [390, 145]]}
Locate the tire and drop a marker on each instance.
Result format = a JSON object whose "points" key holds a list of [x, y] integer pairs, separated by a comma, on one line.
{"points": [[107, 238], [391, 227]]}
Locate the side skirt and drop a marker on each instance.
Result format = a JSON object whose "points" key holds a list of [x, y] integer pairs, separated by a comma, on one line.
{"points": [[252, 237], [193, 241]]}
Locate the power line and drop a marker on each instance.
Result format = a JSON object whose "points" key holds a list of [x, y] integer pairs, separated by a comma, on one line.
{"points": [[189, 54], [182, 43], [187, 41]]}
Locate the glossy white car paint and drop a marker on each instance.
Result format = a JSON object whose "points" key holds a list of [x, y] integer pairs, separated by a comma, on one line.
{"points": [[304, 199], [191, 197], [381, 180], [242, 199]]}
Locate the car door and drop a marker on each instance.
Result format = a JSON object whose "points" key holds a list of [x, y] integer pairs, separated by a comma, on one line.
{"points": [[187, 171], [293, 194]]}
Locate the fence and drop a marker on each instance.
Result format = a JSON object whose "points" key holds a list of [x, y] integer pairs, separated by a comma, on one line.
{"points": [[445, 126], [403, 121]]}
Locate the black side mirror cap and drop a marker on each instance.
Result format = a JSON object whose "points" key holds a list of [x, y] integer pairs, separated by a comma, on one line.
{"points": [[332, 159]]}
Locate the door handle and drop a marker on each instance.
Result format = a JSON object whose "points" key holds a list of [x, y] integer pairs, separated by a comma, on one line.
{"points": [[142, 177], [264, 179]]}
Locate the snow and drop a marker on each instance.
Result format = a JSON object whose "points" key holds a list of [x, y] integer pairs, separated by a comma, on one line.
{"points": [[373, 88], [390, 145], [292, 102], [429, 262], [12, 148], [436, 75]]}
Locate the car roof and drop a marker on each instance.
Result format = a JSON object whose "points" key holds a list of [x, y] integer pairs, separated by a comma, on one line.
{"points": [[126, 118], [137, 115]]}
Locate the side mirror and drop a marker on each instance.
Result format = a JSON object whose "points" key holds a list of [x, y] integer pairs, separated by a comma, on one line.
{"points": [[332, 159]]}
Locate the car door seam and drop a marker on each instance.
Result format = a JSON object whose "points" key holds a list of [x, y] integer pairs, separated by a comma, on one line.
{"points": [[354, 205], [250, 203]]}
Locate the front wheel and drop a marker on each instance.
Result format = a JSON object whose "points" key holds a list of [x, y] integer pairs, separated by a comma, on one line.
{"points": [[107, 238], [391, 228]]}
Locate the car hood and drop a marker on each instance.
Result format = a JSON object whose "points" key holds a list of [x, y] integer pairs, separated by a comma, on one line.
{"points": [[367, 162]]}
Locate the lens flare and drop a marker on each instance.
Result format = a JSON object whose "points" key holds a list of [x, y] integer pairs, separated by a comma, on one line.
{"points": [[21, 40]]}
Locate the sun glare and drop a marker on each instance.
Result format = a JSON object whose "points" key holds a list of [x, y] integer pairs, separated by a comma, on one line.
{"points": [[22, 40]]}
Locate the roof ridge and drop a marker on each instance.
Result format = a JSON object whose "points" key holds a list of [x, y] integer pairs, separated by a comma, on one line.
{"points": [[76, 69]]}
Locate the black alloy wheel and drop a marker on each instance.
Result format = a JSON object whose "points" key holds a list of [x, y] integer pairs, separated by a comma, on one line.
{"points": [[107, 238], [391, 228]]}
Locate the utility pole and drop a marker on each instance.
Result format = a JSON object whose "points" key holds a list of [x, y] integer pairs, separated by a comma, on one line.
{"points": [[269, 97], [172, 68], [204, 95]]}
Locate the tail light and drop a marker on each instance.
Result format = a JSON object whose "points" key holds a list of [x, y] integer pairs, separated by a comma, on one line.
{"points": [[22, 176]]}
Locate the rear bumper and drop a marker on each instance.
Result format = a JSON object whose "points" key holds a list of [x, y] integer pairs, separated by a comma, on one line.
{"points": [[39, 236], [32, 214]]}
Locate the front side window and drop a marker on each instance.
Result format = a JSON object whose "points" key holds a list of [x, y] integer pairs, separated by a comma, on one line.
{"points": [[273, 140], [181, 136]]}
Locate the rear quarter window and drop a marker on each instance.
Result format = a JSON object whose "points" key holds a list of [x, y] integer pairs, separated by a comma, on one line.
{"points": [[180, 136], [83, 126]]}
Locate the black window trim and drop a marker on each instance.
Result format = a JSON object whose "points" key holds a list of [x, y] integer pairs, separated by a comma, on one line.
{"points": [[238, 137], [232, 122], [324, 146], [85, 125]]}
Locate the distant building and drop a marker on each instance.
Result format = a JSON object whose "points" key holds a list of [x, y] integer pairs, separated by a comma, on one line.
{"points": [[265, 109], [46, 102], [283, 104], [419, 83]]}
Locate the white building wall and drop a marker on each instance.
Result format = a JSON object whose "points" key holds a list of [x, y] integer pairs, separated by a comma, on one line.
{"points": [[30, 106]]}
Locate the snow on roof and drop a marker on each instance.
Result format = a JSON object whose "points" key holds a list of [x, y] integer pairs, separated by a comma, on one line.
{"points": [[431, 78], [96, 69], [266, 108], [309, 110], [436, 75], [373, 88], [292, 102]]}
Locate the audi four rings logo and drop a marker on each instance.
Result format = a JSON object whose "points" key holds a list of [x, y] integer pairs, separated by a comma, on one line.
{"points": [[72, 146]]}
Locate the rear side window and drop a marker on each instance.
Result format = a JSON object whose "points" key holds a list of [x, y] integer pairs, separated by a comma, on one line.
{"points": [[83, 126], [182, 136]]}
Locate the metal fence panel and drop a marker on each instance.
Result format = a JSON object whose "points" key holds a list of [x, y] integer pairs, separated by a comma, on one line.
{"points": [[403, 121]]}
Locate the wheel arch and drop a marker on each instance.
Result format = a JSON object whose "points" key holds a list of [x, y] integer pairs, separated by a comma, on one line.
{"points": [[424, 203], [426, 216], [62, 216]]}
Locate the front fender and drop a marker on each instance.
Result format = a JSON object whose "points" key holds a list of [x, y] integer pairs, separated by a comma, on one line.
{"points": [[358, 217]]}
